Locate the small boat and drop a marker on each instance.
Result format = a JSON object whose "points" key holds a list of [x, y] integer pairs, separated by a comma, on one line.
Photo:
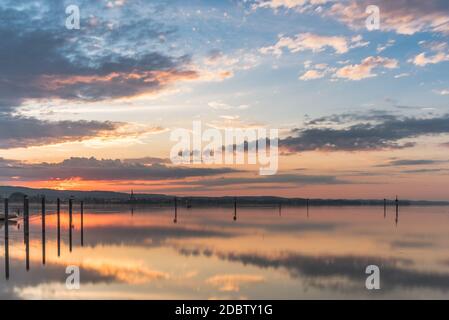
{"points": [[11, 216]]}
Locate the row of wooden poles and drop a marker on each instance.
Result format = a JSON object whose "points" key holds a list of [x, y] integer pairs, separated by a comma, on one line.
{"points": [[175, 220], [307, 206], [26, 229]]}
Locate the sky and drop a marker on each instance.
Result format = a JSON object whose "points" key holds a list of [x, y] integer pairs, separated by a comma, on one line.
{"points": [[361, 113]]}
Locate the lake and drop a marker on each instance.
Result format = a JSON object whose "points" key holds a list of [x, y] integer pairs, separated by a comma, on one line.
{"points": [[262, 253]]}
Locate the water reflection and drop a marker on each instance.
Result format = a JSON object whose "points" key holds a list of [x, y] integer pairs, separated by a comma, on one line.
{"points": [[43, 231], [271, 253], [58, 213]]}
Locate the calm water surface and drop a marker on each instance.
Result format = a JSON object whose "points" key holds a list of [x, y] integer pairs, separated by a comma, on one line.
{"points": [[263, 254]]}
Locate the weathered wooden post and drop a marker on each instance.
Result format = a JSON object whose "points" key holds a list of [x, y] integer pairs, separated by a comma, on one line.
{"points": [[70, 223], [235, 209], [385, 208], [6, 239], [175, 220], [58, 217], [43, 230]]}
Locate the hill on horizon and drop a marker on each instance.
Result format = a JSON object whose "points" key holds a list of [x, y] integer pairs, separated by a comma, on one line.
{"points": [[120, 197]]}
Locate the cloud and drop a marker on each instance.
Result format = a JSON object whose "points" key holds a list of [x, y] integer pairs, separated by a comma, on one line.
{"points": [[24, 132], [365, 69], [233, 282], [295, 179], [381, 48], [42, 60], [436, 52], [105, 169], [401, 16], [423, 59], [147, 161], [312, 75], [309, 41], [219, 105], [319, 71], [288, 4], [407, 244], [20, 132], [402, 75], [364, 135], [41, 63], [400, 163], [217, 66], [443, 92]]}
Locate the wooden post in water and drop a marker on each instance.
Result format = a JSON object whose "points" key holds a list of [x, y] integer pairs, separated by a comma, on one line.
{"points": [[58, 216], [6, 240], [82, 223], [43, 230], [70, 223], [26, 228], [235, 209], [175, 220]]}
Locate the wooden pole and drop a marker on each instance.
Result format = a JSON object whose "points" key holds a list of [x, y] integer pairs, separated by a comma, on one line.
{"points": [[175, 220], [385, 208], [235, 209]]}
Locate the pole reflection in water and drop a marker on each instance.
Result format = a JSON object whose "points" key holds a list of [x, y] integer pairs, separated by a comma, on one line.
{"points": [[6, 240], [26, 227], [307, 205], [82, 224], [30, 226], [70, 224], [58, 217], [43, 230], [397, 210]]}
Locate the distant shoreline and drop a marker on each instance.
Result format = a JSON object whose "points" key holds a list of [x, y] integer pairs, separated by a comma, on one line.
{"points": [[16, 194]]}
